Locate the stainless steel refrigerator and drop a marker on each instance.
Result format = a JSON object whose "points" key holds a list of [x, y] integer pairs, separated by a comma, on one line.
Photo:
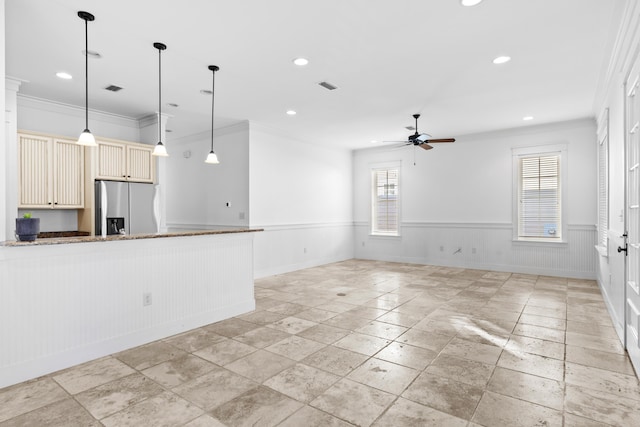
{"points": [[125, 208]]}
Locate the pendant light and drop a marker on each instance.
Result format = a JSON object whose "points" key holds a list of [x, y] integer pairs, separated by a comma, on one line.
{"points": [[211, 157], [160, 149], [86, 138]]}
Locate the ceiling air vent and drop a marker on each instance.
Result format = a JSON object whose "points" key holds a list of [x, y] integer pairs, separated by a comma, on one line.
{"points": [[328, 86], [113, 88]]}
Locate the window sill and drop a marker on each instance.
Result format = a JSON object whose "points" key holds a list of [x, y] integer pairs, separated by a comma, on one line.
{"points": [[539, 242], [384, 235]]}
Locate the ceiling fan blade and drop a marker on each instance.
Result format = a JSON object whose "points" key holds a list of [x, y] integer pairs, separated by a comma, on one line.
{"points": [[441, 140], [397, 142], [425, 146]]}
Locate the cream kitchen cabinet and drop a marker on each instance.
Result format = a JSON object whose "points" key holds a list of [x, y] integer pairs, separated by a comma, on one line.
{"points": [[124, 161], [51, 172]]}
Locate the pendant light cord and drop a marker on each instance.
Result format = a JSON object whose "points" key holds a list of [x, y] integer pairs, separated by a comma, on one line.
{"points": [[213, 96], [86, 74], [160, 95]]}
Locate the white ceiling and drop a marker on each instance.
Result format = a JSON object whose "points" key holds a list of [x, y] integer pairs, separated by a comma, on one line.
{"points": [[389, 59]]}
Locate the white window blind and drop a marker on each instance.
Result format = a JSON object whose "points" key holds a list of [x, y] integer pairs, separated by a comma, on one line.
{"points": [[385, 204], [539, 211], [603, 181]]}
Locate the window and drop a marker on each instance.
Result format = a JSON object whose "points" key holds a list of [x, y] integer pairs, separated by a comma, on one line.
{"points": [[539, 195], [603, 182], [385, 204]]}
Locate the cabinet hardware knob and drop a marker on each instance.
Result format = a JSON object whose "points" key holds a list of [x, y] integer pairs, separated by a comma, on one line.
{"points": [[49, 203]]}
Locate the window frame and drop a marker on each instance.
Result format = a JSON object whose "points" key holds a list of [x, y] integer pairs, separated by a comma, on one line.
{"points": [[518, 153], [603, 183], [373, 170]]}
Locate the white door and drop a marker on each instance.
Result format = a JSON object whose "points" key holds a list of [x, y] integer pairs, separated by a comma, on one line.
{"points": [[632, 286]]}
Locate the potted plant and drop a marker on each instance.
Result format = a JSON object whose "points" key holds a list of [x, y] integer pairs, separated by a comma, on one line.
{"points": [[27, 228]]}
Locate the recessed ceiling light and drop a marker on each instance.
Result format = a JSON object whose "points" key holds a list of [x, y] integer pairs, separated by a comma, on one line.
{"points": [[92, 54], [502, 59], [527, 118], [470, 2], [291, 113], [171, 104], [301, 62], [206, 92], [64, 75]]}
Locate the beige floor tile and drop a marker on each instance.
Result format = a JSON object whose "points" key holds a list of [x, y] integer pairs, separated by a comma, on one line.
{"points": [[260, 366], [602, 406], [401, 319], [302, 382], [163, 410], [599, 359], [324, 333], [258, 406], [382, 330], [367, 312], [231, 327], [498, 410], [336, 306], [347, 321], [484, 332], [335, 360], [354, 402], [312, 417], [214, 388], [611, 345], [292, 325], [479, 352], [225, 352], [539, 332], [533, 364], [590, 328], [195, 340], [571, 420], [112, 397], [546, 322], [67, 413], [26, 397], [520, 344], [462, 370], [204, 420], [149, 355], [295, 347], [405, 413], [262, 317], [547, 312], [531, 388], [361, 343], [423, 339], [288, 309], [603, 380], [262, 337], [316, 315], [179, 370], [384, 375], [93, 374], [446, 395], [407, 355]]}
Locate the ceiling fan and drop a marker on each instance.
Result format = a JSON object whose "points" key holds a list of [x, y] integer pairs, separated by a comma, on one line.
{"points": [[423, 140]]}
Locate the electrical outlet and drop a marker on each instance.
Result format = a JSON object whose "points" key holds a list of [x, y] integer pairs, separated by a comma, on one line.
{"points": [[441, 248], [241, 215], [305, 250], [473, 250], [146, 299], [228, 204], [363, 244]]}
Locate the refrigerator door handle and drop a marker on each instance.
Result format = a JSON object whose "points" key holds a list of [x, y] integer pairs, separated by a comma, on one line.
{"points": [[103, 208]]}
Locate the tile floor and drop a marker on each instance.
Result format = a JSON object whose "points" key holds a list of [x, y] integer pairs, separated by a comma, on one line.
{"points": [[364, 343]]}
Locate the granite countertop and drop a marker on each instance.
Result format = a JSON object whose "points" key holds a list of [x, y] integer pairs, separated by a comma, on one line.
{"points": [[88, 239]]}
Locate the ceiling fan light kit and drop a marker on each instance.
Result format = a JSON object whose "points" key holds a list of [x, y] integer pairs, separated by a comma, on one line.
{"points": [[423, 140]]}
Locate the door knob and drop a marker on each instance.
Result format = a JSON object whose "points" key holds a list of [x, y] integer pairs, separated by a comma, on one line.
{"points": [[620, 249]]}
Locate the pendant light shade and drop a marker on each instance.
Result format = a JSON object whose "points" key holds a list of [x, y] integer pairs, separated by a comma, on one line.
{"points": [[86, 138], [212, 158], [160, 150]]}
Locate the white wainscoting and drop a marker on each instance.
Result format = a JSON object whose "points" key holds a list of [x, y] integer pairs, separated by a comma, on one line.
{"points": [[61, 305], [482, 246], [289, 247]]}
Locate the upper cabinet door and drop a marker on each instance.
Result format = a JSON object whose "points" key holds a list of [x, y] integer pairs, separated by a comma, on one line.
{"points": [[140, 163], [68, 188], [35, 176], [111, 161]]}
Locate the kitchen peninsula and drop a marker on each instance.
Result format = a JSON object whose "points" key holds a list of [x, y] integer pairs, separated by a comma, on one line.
{"points": [[76, 299]]}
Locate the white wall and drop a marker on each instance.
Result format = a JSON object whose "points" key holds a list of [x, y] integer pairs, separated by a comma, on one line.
{"points": [[197, 193], [459, 196], [301, 195]]}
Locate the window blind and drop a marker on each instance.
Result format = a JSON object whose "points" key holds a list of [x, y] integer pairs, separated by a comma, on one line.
{"points": [[603, 190], [385, 201], [539, 196]]}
